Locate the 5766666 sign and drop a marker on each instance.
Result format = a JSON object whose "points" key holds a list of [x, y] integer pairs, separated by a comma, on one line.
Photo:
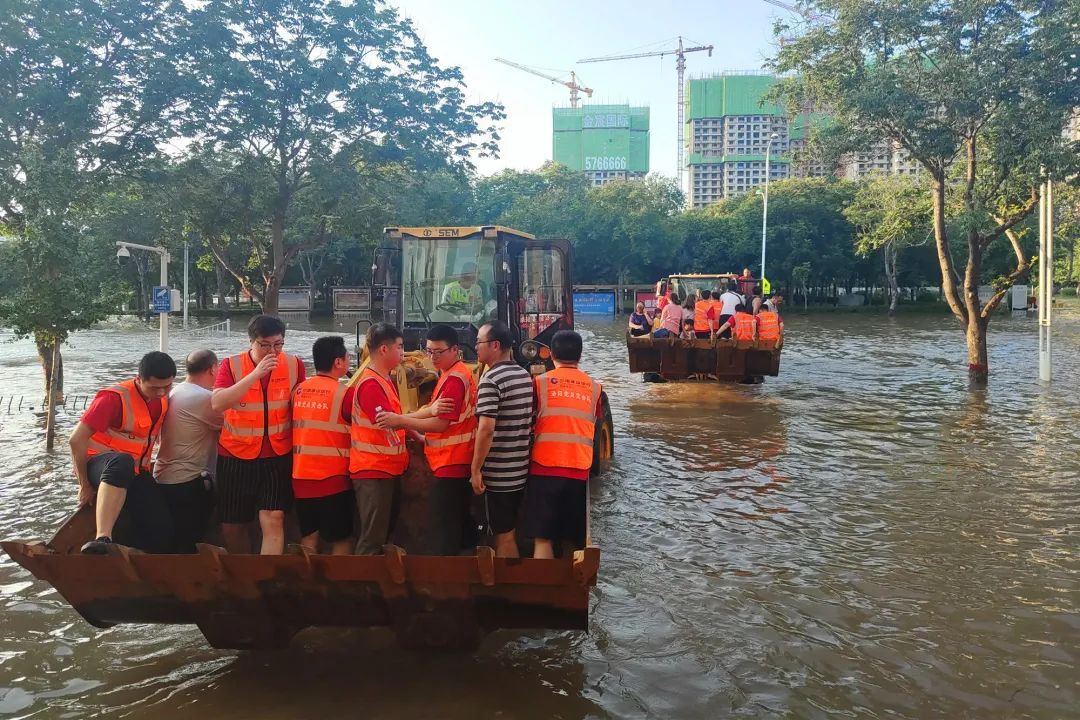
{"points": [[605, 162]]}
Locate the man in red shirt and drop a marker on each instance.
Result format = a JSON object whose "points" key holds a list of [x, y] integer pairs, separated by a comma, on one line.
{"points": [[111, 449], [253, 390], [450, 427], [321, 415]]}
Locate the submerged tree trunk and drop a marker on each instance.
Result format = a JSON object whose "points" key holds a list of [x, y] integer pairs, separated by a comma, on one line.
{"points": [[892, 286], [52, 364]]}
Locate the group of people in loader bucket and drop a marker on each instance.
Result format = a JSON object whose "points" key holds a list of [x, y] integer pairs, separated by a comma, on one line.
{"points": [[253, 437], [738, 311]]}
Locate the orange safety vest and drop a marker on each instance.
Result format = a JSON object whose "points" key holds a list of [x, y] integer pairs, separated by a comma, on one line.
{"points": [[137, 434], [260, 414], [565, 419], [768, 326], [701, 319], [454, 446], [319, 435], [371, 447], [744, 326]]}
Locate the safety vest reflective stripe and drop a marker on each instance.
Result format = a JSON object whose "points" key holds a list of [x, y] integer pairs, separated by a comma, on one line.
{"points": [[137, 434], [261, 412], [320, 425], [449, 440], [454, 445], [564, 438], [254, 431], [371, 448], [571, 413], [320, 451]]}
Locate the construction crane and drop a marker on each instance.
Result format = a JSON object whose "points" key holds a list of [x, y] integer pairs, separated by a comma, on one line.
{"points": [[680, 68], [572, 83]]}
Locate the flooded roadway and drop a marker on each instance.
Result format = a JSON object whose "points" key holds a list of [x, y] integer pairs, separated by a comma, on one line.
{"points": [[862, 536]]}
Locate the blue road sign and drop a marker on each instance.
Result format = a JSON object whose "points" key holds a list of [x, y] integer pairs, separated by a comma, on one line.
{"points": [[162, 299]]}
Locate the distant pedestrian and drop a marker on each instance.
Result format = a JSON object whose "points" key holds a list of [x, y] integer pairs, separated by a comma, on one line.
{"points": [[187, 459], [500, 462], [568, 404]]}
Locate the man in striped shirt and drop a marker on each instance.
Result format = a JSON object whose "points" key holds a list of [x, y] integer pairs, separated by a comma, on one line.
{"points": [[504, 406]]}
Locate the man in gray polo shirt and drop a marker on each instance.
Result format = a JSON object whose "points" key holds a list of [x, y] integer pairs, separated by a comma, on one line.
{"points": [[188, 452], [504, 406]]}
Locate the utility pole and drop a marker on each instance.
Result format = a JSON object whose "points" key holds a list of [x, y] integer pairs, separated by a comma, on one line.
{"points": [[185, 283], [680, 70], [1046, 279], [765, 208]]}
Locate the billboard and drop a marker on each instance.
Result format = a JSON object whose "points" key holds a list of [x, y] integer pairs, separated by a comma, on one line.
{"points": [[350, 299], [647, 298], [594, 303], [294, 298]]}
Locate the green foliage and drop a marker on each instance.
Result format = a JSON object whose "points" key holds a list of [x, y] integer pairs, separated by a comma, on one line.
{"points": [[979, 93], [88, 91], [890, 210], [307, 99]]}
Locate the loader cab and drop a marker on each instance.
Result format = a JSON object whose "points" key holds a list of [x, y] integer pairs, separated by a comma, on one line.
{"points": [[683, 285], [466, 276]]}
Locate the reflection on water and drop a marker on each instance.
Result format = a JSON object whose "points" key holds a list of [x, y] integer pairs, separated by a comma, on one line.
{"points": [[862, 535]]}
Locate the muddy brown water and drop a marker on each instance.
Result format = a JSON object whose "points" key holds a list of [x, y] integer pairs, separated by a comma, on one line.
{"points": [[863, 536]]}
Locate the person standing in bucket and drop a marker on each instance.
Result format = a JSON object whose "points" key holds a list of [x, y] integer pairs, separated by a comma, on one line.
{"points": [[253, 391], [188, 453], [321, 415], [449, 428], [377, 457], [568, 403], [111, 450], [504, 408]]}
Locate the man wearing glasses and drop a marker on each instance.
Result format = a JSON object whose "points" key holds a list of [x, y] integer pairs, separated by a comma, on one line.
{"points": [[254, 469], [448, 441]]}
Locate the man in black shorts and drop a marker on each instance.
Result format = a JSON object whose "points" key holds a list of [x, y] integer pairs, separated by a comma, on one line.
{"points": [[321, 413], [500, 463], [567, 404], [254, 471]]}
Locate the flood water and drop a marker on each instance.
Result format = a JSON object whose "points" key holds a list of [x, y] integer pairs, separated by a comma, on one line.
{"points": [[863, 536]]}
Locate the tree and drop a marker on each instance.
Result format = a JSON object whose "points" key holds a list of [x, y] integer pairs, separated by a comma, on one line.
{"points": [[87, 90], [302, 91], [984, 85], [890, 212]]}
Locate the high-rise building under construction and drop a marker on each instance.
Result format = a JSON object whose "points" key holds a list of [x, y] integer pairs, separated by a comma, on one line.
{"points": [[730, 123], [607, 142]]}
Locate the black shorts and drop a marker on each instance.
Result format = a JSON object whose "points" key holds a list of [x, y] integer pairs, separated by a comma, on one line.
{"points": [[555, 508], [724, 319], [190, 504], [500, 509], [330, 516], [245, 487]]}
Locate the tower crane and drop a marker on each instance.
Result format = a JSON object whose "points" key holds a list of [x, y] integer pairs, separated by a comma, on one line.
{"points": [[680, 68], [572, 83]]}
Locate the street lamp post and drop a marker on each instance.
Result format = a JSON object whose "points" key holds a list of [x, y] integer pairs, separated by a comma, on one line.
{"points": [[163, 318], [765, 208], [185, 283]]}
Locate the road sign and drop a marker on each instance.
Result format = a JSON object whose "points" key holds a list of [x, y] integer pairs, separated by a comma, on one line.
{"points": [[766, 286], [162, 299]]}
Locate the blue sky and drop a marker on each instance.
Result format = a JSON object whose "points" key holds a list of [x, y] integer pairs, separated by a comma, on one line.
{"points": [[554, 34]]}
